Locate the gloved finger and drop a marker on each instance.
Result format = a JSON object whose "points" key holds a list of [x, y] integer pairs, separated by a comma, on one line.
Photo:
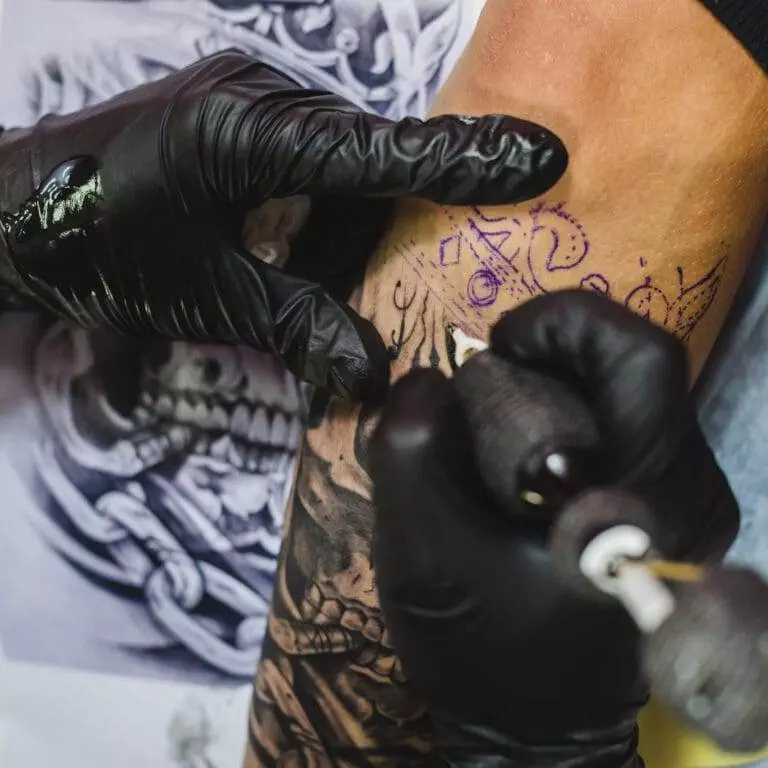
{"points": [[631, 373], [321, 340], [403, 463], [449, 159], [424, 481], [435, 548]]}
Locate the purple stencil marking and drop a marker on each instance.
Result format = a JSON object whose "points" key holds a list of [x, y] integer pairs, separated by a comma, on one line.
{"points": [[558, 242], [497, 239], [597, 283], [518, 256], [494, 240], [693, 302], [418, 261], [551, 263], [450, 251], [504, 257], [649, 302], [487, 247], [489, 219], [679, 314], [483, 288]]}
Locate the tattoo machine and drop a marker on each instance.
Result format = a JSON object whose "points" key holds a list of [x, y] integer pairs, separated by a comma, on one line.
{"points": [[705, 627]]}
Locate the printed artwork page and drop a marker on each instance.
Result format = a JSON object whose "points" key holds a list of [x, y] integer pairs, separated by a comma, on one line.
{"points": [[101, 641]]}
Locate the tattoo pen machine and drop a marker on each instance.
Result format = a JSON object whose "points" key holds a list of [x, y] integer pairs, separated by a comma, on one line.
{"points": [[705, 628]]}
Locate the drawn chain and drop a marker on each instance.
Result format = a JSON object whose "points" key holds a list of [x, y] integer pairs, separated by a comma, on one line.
{"points": [[146, 556]]}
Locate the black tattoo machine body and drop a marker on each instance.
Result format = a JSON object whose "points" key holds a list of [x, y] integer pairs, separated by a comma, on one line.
{"points": [[704, 628]]}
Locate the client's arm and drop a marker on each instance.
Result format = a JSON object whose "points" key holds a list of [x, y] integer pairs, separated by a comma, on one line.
{"points": [[664, 116]]}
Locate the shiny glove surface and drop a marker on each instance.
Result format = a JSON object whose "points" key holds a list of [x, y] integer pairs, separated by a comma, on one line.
{"points": [[130, 214], [519, 665]]}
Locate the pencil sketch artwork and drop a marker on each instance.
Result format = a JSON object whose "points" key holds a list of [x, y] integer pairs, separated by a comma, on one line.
{"points": [[153, 478]]}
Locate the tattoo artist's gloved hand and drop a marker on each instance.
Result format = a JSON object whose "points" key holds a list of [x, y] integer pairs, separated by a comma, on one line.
{"points": [[130, 214], [513, 659]]}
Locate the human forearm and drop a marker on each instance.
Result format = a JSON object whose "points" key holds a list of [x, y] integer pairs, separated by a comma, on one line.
{"points": [[329, 689], [653, 186], [668, 162]]}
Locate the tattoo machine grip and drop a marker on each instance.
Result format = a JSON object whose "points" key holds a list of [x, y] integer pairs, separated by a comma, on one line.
{"points": [[706, 647], [533, 438]]}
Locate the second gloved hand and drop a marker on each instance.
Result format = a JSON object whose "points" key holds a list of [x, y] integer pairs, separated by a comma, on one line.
{"points": [[129, 214], [518, 665]]}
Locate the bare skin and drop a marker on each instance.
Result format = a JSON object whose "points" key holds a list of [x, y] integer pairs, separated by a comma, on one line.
{"points": [[663, 114]]}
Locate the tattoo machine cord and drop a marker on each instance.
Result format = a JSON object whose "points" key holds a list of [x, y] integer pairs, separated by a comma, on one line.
{"points": [[705, 627]]}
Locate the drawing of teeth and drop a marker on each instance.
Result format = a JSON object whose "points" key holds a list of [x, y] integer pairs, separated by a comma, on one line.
{"points": [[206, 440], [201, 446]]}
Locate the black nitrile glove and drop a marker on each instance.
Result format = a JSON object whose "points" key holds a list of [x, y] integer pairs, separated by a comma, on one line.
{"points": [[129, 214], [519, 665]]}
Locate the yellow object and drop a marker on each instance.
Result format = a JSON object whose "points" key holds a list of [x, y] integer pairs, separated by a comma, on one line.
{"points": [[663, 569], [665, 743]]}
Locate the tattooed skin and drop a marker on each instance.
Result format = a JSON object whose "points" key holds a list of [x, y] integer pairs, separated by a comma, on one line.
{"points": [[512, 258], [330, 690]]}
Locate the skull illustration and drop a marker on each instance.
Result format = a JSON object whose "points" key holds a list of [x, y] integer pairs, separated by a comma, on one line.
{"points": [[167, 466]]}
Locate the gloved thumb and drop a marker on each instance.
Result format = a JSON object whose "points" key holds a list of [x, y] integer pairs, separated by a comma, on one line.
{"points": [[319, 339], [422, 470]]}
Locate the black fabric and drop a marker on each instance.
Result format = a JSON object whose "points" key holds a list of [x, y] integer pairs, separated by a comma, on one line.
{"points": [[748, 21]]}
